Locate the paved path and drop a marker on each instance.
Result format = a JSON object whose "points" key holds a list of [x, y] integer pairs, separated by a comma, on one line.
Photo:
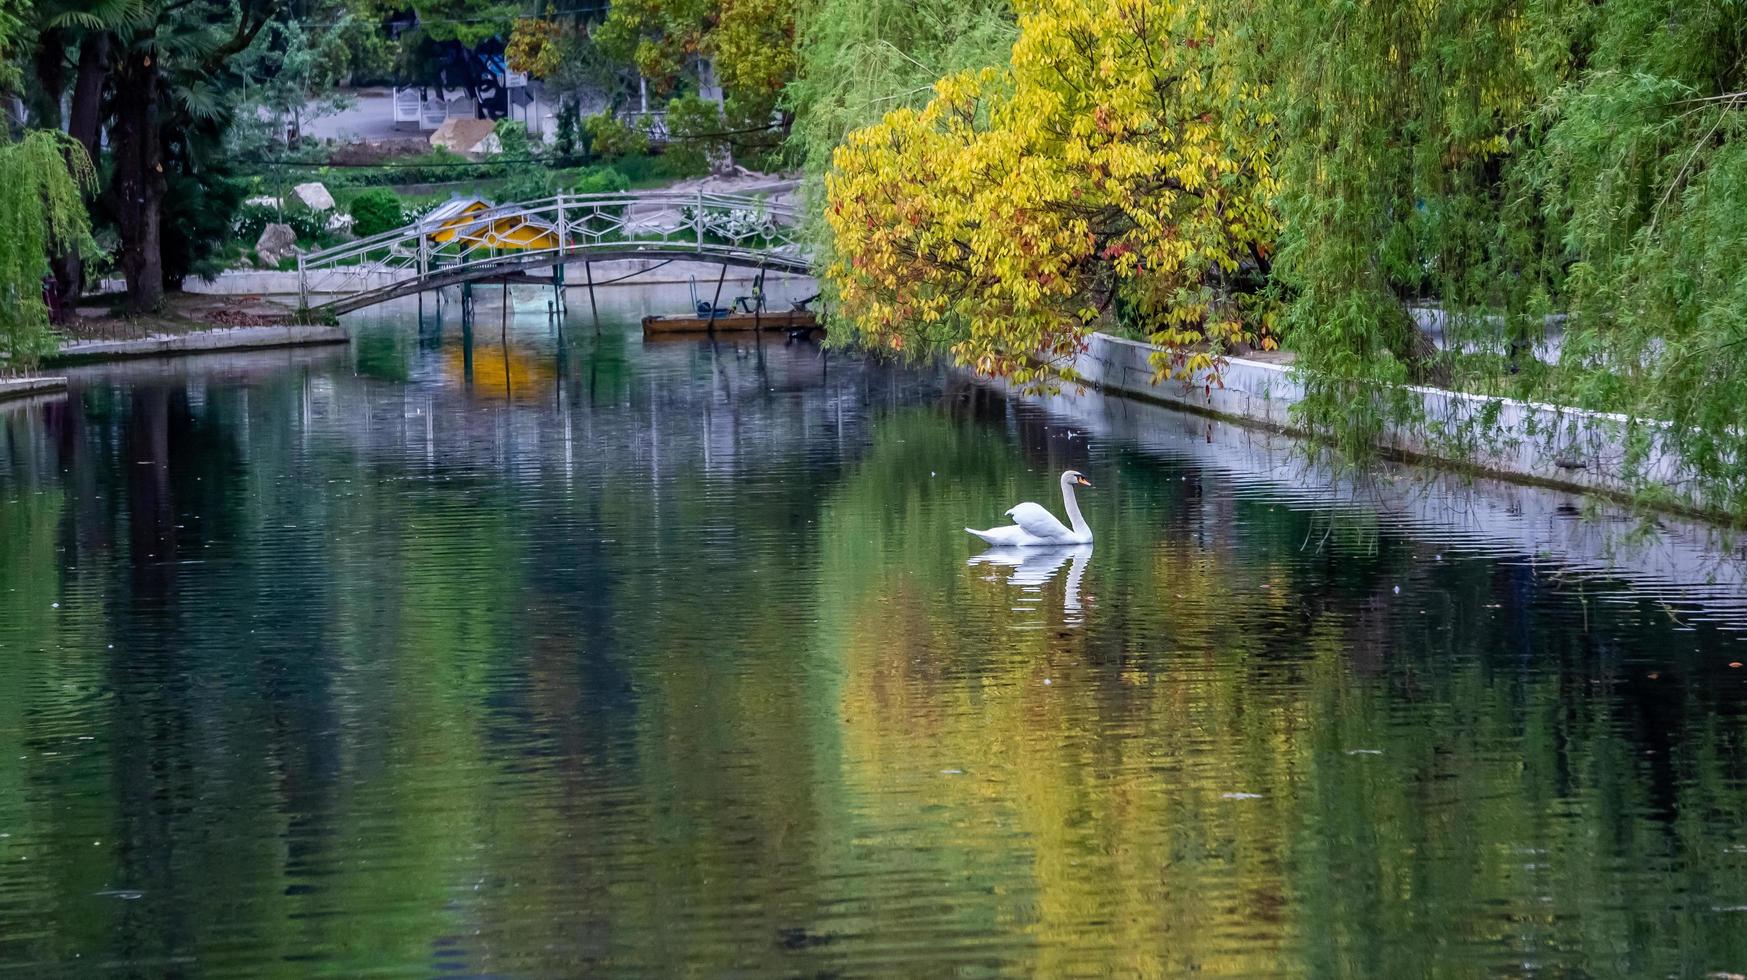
{"points": [[370, 118]]}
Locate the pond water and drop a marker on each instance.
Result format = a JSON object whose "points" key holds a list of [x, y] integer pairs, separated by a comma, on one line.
{"points": [[560, 653]]}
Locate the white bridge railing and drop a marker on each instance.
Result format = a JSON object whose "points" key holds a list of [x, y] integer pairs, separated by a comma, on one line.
{"points": [[446, 247]]}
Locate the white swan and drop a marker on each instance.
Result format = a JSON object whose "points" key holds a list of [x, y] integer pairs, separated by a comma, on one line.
{"points": [[1034, 527]]}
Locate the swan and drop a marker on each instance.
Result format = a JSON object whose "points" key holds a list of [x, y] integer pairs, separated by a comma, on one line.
{"points": [[1035, 527]]}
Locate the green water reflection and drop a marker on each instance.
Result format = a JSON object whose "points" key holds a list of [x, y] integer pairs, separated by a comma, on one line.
{"points": [[573, 656]]}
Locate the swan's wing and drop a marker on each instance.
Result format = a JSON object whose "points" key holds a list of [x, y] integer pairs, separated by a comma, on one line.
{"points": [[1037, 522]]}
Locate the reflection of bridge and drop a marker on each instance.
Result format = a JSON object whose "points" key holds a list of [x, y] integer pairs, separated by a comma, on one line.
{"points": [[464, 243]]}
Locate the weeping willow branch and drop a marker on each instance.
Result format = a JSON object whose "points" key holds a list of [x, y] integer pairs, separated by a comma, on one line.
{"points": [[44, 178]]}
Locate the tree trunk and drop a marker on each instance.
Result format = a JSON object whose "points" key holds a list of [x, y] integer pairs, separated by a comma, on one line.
{"points": [[139, 184], [44, 99], [86, 117], [84, 124], [1426, 363]]}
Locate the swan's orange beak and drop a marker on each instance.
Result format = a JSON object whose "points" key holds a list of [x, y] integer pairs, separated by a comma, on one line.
{"points": [[1085, 482]]}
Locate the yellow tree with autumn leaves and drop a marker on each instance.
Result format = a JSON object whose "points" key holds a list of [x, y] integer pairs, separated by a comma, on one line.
{"points": [[1118, 168]]}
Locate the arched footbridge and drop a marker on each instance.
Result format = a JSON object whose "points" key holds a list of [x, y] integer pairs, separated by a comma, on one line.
{"points": [[468, 241]]}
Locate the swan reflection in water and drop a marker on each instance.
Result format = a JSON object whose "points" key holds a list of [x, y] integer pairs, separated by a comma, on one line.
{"points": [[1033, 568]]}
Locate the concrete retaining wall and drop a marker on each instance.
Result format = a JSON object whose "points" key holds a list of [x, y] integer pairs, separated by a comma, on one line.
{"points": [[17, 388], [1547, 443], [1676, 559], [236, 338]]}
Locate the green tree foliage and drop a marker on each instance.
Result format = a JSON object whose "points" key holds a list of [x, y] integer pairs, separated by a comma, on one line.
{"points": [[287, 78], [859, 59], [172, 77], [157, 78], [1642, 174], [539, 45], [573, 63], [662, 38], [1500, 167], [467, 21], [43, 180], [1119, 161], [1583, 159], [749, 43], [527, 177], [11, 29], [565, 141], [200, 207], [600, 180], [356, 49], [609, 137], [375, 211], [1390, 132], [694, 134]]}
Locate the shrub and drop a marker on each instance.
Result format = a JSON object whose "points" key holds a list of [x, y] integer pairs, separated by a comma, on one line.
{"points": [[415, 211], [694, 134], [642, 168], [375, 211], [528, 183], [252, 218], [569, 129], [514, 142], [522, 164], [609, 137], [600, 180], [439, 165]]}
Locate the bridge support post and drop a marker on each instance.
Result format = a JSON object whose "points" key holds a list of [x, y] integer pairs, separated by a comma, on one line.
{"points": [[302, 286], [713, 303], [758, 306], [563, 243], [595, 311], [466, 346]]}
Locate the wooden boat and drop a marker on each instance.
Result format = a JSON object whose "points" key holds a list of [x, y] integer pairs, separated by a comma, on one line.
{"points": [[735, 322]]}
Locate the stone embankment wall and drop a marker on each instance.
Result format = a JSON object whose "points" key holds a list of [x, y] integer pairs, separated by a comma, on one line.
{"points": [[1550, 444]]}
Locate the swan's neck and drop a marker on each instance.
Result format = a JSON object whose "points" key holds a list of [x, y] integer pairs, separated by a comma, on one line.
{"points": [[1075, 520]]}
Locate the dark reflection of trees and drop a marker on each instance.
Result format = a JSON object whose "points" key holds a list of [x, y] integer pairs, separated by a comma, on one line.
{"points": [[197, 637]]}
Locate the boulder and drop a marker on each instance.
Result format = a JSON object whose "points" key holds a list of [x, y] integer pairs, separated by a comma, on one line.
{"points": [[470, 136], [277, 241], [314, 196]]}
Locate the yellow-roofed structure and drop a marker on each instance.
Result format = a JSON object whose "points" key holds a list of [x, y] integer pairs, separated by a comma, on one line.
{"points": [[474, 220]]}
